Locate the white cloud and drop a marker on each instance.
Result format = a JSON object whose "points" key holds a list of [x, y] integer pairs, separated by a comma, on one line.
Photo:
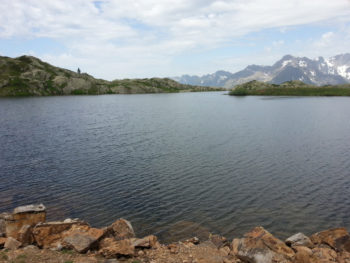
{"points": [[138, 37]]}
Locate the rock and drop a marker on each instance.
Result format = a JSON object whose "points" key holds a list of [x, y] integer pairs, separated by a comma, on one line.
{"points": [[49, 235], [24, 215], [82, 240], [343, 257], [225, 251], [218, 241], [112, 248], [122, 229], [12, 243], [259, 246], [302, 254], [146, 242], [323, 255], [2, 225], [2, 241], [299, 239], [193, 240], [336, 238], [25, 235]]}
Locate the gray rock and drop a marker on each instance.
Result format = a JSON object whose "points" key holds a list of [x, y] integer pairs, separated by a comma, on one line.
{"points": [[12, 243], [299, 239], [29, 208]]}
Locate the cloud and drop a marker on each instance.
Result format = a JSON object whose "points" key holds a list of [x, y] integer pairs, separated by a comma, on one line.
{"points": [[139, 36]]}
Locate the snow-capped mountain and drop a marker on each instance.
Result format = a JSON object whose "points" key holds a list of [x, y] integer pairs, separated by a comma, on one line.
{"points": [[334, 70]]}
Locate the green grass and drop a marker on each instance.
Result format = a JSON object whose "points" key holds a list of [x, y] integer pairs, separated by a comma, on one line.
{"points": [[294, 92], [67, 251], [291, 88]]}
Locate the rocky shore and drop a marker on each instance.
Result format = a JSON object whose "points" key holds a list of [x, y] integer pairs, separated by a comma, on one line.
{"points": [[26, 237]]}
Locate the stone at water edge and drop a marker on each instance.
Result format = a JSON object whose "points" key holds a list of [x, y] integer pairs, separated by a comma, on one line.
{"points": [[82, 240], [50, 234], [111, 248], [24, 215], [146, 242], [259, 246], [323, 255], [122, 229], [218, 241], [25, 235], [299, 239], [302, 254], [336, 238], [12, 243]]}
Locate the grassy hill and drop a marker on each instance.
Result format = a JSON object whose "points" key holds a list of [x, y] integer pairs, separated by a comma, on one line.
{"points": [[29, 76], [289, 88]]}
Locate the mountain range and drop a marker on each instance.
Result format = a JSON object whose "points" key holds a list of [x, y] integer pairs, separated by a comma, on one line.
{"points": [[320, 71]]}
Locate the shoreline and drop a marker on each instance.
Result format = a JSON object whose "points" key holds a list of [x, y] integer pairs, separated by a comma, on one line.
{"points": [[26, 237]]}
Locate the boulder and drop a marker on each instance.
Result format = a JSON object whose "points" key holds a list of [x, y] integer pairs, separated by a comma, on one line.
{"points": [[121, 229], [110, 248], [24, 215], [25, 235], [146, 242], [336, 238], [82, 239], [343, 257], [12, 243], [299, 239], [2, 241], [302, 254], [259, 246], [323, 255], [218, 241], [49, 235]]}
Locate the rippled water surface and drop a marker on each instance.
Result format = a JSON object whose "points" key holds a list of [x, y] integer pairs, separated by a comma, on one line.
{"points": [[177, 164]]}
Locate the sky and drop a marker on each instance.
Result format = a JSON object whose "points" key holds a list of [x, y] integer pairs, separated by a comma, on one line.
{"points": [[114, 39]]}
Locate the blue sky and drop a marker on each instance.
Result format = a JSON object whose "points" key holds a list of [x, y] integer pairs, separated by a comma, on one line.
{"points": [[145, 38]]}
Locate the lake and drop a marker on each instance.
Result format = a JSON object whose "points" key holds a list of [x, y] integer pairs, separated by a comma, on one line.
{"points": [[180, 164]]}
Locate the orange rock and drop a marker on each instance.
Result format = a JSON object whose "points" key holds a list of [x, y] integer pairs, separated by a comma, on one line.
{"points": [[2, 241], [49, 235], [323, 255], [343, 257], [259, 246], [82, 239], [336, 238], [24, 215], [12, 243], [112, 248], [25, 235], [302, 254], [122, 229], [146, 242]]}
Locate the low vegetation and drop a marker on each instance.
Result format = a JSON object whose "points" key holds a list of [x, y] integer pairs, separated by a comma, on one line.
{"points": [[289, 88], [29, 76]]}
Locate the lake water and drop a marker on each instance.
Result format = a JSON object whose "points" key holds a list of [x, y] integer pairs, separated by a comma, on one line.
{"points": [[180, 164]]}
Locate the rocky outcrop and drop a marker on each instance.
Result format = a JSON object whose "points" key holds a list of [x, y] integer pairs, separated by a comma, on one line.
{"points": [[299, 239], [50, 235], [23, 216], [259, 246], [118, 242], [29, 76], [337, 238]]}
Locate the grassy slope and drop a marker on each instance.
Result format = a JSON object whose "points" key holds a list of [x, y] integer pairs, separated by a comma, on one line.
{"points": [[290, 88], [29, 76]]}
